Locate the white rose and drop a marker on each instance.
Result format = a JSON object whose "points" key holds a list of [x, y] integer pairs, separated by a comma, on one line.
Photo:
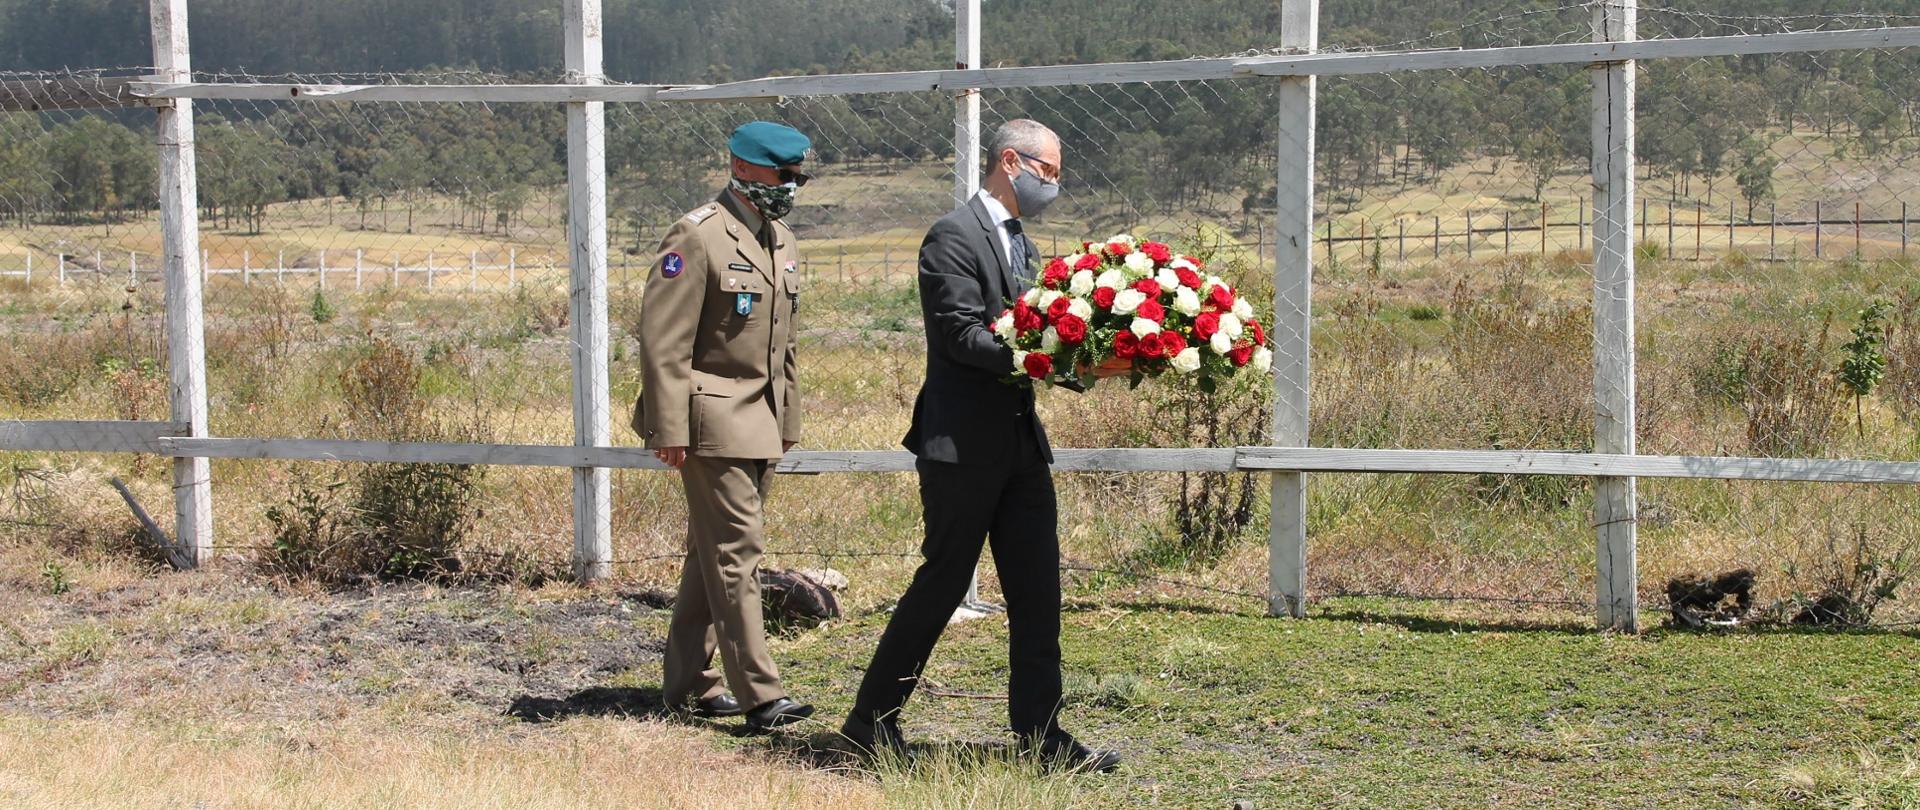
{"points": [[1032, 297], [1220, 343], [1230, 326], [1184, 263], [1263, 359], [1111, 279], [1142, 327], [1168, 280], [1126, 301], [1186, 301], [1050, 341], [1073, 260], [1242, 309], [1212, 282], [1003, 326], [1139, 265], [1080, 309], [1081, 283], [1019, 362], [1122, 237], [1047, 298], [1187, 361]]}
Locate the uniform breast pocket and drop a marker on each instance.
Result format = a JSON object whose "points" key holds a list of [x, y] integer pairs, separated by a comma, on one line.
{"points": [[791, 281], [744, 293]]}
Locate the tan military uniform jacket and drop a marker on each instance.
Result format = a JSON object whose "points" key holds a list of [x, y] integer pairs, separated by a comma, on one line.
{"points": [[717, 337]]}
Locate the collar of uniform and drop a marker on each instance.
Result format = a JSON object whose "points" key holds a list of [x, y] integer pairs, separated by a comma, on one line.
{"points": [[999, 212], [746, 229], [743, 211]]}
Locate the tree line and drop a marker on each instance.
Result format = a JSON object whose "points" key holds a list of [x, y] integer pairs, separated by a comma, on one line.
{"points": [[1702, 122]]}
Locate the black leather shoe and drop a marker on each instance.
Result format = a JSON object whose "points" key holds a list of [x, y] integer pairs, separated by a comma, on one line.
{"points": [[722, 705], [777, 712], [874, 737], [1059, 752]]}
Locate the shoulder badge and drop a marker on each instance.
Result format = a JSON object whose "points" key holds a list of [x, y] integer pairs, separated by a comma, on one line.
{"points": [[699, 215], [671, 265]]}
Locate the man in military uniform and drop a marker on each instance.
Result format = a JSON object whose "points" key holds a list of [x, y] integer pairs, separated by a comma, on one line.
{"points": [[720, 403]]}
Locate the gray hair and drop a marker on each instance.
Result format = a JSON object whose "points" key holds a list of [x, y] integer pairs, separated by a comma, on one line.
{"points": [[1020, 135]]}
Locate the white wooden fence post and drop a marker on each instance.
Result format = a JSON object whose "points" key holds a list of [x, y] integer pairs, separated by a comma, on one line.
{"points": [[429, 269], [206, 267], [186, 339], [1292, 312], [323, 269], [587, 298], [1616, 601], [246, 266], [966, 183], [29, 266], [513, 271], [60, 269], [358, 255], [280, 268]]}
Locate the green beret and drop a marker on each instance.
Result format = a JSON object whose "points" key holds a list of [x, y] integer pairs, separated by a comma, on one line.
{"points": [[765, 143]]}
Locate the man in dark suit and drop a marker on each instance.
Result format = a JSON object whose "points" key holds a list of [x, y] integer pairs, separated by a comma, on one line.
{"points": [[982, 459]]}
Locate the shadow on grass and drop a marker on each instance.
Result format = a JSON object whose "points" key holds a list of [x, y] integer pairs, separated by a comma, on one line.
{"points": [[828, 751], [600, 701]]}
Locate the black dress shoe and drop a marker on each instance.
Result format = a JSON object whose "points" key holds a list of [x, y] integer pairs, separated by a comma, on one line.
{"points": [[874, 737], [722, 705], [1059, 752], [778, 712]]}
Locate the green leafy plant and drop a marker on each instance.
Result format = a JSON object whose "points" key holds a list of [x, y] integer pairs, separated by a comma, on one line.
{"points": [[1866, 362], [321, 310]]}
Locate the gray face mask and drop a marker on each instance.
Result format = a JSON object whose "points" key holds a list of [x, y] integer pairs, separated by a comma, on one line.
{"points": [[1032, 193]]}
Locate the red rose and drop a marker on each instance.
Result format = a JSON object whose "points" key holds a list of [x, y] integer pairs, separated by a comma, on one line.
{"points": [[1188, 278], [1221, 297], [1086, 247], [1025, 319], [1196, 263], [1059, 307], [1152, 311], [1126, 346], [1072, 328], [1173, 342], [1241, 355], [1087, 262], [1056, 273], [1157, 252], [1149, 287], [1152, 348], [1119, 249], [1039, 365], [1205, 324], [1103, 297], [1259, 335]]}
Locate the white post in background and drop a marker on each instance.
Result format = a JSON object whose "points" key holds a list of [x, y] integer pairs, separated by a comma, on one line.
{"points": [[1292, 313], [1614, 504], [966, 183], [587, 298], [180, 250]]}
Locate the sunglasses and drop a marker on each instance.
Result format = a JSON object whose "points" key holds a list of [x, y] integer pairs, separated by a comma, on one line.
{"points": [[1052, 171], [794, 176]]}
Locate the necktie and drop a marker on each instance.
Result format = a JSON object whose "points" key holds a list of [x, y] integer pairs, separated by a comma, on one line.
{"points": [[1018, 248]]}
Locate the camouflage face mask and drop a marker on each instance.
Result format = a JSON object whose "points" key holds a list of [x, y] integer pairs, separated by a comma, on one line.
{"points": [[773, 201]]}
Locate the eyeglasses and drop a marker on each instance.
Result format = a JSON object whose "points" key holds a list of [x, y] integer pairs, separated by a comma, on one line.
{"points": [[794, 176], [1052, 172]]}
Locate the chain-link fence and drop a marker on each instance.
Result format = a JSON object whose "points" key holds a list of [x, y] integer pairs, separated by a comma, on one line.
{"points": [[356, 249]]}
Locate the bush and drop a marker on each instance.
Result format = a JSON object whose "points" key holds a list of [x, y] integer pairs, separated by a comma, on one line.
{"points": [[1791, 400], [1853, 581], [386, 521]]}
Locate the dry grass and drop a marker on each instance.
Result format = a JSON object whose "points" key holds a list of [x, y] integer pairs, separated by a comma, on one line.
{"points": [[112, 762]]}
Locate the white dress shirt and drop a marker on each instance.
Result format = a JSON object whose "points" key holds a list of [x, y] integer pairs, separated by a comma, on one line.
{"points": [[1000, 216]]}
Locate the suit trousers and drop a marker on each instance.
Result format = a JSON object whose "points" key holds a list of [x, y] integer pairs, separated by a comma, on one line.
{"points": [[718, 606], [1013, 507]]}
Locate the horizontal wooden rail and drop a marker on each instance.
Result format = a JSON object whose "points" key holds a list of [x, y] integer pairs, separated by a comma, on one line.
{"points": [[75, 436]]}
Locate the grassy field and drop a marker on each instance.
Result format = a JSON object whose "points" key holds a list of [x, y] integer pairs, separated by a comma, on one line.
{"points": [[124, 688]]}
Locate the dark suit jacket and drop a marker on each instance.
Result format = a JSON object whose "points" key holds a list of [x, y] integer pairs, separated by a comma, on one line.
{"points": [[966, 413]]}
